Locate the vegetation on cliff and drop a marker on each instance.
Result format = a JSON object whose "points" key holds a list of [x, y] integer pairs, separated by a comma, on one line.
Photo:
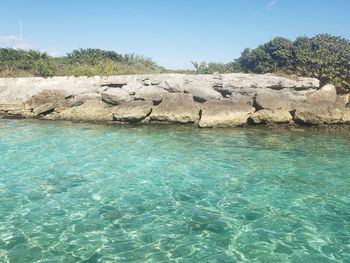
{"points": [[82, 62], [324, 57]]}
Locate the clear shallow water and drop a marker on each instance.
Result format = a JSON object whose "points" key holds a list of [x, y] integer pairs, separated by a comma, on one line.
{"points": [[90, 193]]}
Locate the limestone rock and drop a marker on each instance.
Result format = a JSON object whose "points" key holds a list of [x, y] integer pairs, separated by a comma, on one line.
{"points": [[278, 100], [271, 116], [80, 99], [174, 85], [150, 93], [115, 96], [326, 93], [322, 113], [202, 91], [224, 113], [16, 111], [131, 87], [242, 99], [231, 82], [133, 111], [11, 108], [343, 99], [46, 102], [44, 108], [19, 90], [176, 108], [91, 110], [44, 97], [228, 99]]}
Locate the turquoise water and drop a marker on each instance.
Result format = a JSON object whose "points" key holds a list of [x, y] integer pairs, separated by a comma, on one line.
{"points": [[92, 193]]}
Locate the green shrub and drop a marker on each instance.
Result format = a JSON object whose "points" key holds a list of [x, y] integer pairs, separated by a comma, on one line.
{"points": [[82, 62], [324, 57], [210, 68]]}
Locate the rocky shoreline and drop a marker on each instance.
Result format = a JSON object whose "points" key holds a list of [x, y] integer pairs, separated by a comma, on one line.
{"points": [[219, 100]]}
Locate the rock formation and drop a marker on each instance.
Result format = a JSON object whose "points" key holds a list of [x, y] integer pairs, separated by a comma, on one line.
{"points": [[176, 108], [225, 113], [218, 100]]}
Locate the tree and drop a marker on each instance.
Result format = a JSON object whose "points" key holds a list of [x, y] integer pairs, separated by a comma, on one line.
{"points": [[324, 57]]}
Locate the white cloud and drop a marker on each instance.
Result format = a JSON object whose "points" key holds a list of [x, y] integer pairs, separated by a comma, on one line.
{"points": [[271, 5], [8, 39], [23, 45], [14, 42]]}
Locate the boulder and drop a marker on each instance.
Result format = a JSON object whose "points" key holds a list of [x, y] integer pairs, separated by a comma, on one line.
{"points": [[174, 85], [79, 99], [150, 93], [46, 102], [326, 93], [278, 100], [343, 99], [44, 108], [176, 108], [131, 87], [243, 99], [91, 110], [271, 116], [231, 82], [19, 90], [115, 96], [133, 111], [202, 91], [224, 113], [322, 113]]}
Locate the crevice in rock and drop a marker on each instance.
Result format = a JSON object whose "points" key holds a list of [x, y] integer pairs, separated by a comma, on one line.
{"points": [[292, 112], [250, 122], [157, 102], [224, 93], [46, 112], [298, 121], [113, 85], [256, 105], [200, 114], [148, 114], [302, 123], [275, 87], [198, 99]]}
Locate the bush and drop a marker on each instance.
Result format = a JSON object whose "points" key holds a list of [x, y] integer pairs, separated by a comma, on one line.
{"points": [[324, 57], [210, 68], [82, 62]]}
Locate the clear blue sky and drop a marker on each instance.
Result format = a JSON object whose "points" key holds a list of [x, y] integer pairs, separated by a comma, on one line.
{"points": [[172, 32]]}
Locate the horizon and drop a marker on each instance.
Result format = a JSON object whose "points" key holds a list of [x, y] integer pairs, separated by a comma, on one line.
{"points": [[171, 33]]}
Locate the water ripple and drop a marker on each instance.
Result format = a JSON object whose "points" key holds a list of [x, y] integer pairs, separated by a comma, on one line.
{"points": [[91, 193]]}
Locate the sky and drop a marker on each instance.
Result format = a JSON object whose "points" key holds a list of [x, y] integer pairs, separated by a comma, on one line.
{"points": [[172, 32]]}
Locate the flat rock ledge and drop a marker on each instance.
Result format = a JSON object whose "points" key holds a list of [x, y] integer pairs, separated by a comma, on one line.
{"points": [[218, 100]]}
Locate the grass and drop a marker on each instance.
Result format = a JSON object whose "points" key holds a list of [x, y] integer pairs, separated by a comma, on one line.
{"points": [[83, 62]]}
